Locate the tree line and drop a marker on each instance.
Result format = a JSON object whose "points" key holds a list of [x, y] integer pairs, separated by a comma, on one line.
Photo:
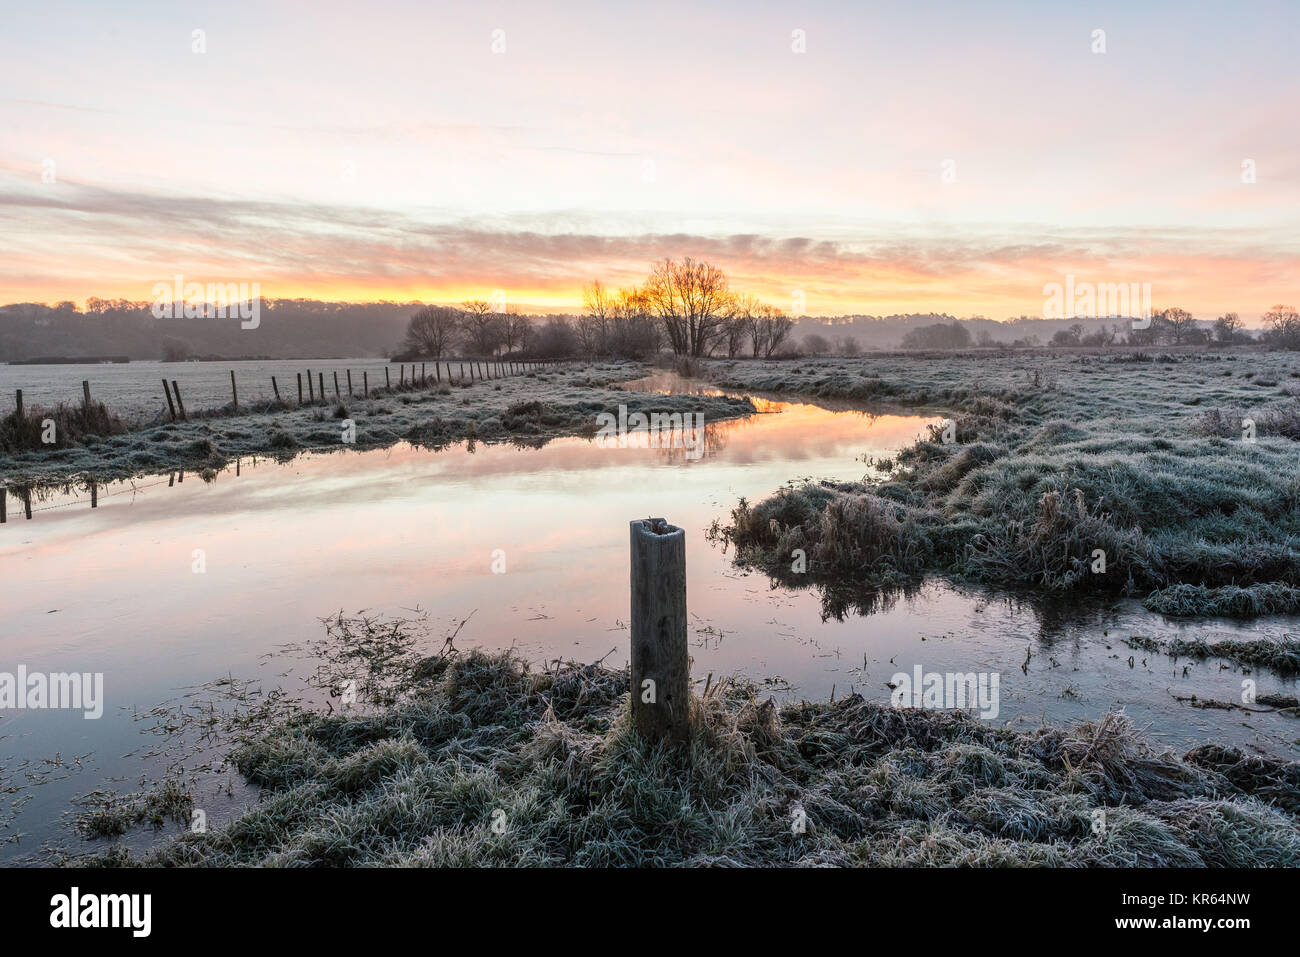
{"points": [[685, 306]]}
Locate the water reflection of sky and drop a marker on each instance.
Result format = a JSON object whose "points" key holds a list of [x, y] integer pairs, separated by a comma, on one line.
{"points": [[112, 589]]}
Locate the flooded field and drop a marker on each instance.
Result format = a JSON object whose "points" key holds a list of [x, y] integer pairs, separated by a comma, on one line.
{"points": [[169, 583], [134, 390]]}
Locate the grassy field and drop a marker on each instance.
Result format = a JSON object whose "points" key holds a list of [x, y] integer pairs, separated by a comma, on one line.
{"points": [[526, 409], [1148, 459], [471, 760]]}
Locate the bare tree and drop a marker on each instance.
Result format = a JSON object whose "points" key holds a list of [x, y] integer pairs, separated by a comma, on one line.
{"points": [[691, 299], [515, 329], [767, 326], [432, 330], [1180, 323], [1283, 326], [633, 332], [1227, 326], [482, 327]]}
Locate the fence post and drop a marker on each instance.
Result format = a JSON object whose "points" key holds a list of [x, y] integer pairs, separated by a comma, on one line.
{"points": [[179, 401], [365, 382], [336, 385], [311, 389], [300, 388], [4, 493], [234, 391], [20, 403], [85, 391], [275, 388], [661, 671], [349, 383], [388, 383], [321, 376], [167, 391]]}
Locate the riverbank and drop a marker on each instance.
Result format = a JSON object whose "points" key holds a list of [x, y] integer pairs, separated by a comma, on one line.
{"points": [[472, 759], [1171, 478], [527, 409]]}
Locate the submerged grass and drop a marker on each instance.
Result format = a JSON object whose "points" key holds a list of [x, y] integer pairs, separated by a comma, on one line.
{"points": [[1055, 475], [476, 759]]}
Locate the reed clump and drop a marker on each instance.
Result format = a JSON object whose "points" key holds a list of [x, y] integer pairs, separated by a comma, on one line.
{"points": [[59, 427]]}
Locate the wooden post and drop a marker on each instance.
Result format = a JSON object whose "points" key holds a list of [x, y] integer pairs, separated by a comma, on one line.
{"points": [[167, 391], [365, 382], [462, 371], [234, 391], [311, 390], [349, 383], [437, 372], [20, 403], [388, 383], [3, 495], [85, 391], [276, 388], [179, 401], [424, 374], [321, 376], [27, 503], [401, 375], [336, 383], [300, 388], [661, 671]]}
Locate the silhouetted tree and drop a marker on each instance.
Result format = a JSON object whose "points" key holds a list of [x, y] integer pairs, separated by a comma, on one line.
{"points": [[432, 331]]}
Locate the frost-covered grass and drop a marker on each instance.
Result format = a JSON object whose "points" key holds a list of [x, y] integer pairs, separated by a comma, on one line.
{"points": [[526, 409], [1151, 461], [474, 759]]}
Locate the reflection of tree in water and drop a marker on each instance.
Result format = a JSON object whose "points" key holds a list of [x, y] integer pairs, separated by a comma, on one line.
{"points": [[673, 443]]}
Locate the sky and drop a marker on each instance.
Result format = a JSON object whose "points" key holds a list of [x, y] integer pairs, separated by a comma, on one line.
{"points": [[832, 158]]}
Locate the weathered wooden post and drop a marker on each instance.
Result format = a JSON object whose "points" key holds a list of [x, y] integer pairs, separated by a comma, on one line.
{"points": [[661, 671], [365, 383], [179, 401], [234, 391], [300, 388], [311, 389], [85, 391], [388, 383], [336, 385], [20, 403], [321, 376], [349, 383], [275, 388], [171, 406]]}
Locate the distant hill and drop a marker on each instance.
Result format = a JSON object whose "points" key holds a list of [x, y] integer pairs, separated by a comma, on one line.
{"points": [[287, 328]]}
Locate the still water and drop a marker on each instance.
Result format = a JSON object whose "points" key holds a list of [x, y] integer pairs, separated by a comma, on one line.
{"points": [[531, 544]]}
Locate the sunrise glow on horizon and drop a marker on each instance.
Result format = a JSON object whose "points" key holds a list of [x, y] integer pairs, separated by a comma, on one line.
{"points": [[890, 159]]}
